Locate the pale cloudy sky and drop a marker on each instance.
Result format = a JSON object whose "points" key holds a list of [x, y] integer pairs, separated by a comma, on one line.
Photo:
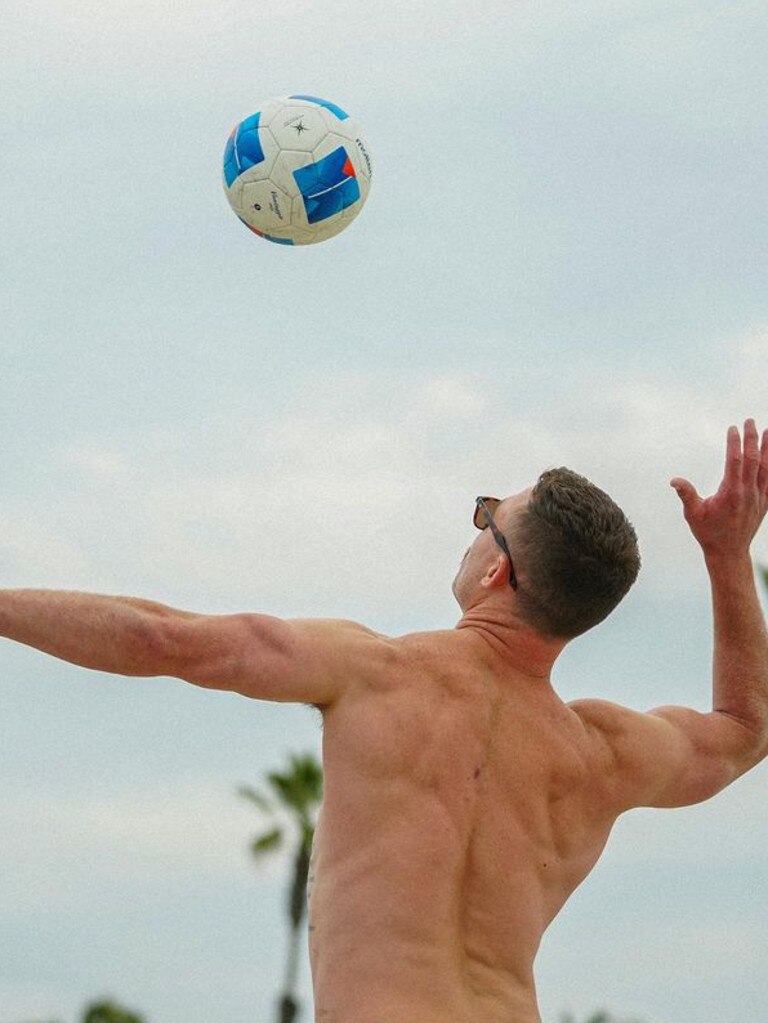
{"points": [[562, 261]]}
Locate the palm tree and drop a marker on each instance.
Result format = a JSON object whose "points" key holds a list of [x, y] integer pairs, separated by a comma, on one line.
{"points": [[107, 1011], [299, 792]]}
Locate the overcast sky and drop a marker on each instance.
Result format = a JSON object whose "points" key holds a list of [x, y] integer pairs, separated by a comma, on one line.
{"points": [[562, 261]]}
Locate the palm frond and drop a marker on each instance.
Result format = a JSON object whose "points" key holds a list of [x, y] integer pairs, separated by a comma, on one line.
{"points": [[301, 787], [268, 842], [254, 796]]}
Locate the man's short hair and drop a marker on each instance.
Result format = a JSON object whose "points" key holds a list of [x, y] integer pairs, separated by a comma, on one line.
{"points": [[578, 552]]}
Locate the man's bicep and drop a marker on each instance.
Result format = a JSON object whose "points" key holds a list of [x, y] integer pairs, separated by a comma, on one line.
{"points": [[267, 658]]}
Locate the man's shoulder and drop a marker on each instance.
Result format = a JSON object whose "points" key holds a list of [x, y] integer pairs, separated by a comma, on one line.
{"points": [[606, 725], [346, 634], [333, 628], [364, 659], [345, 645], [603, 715], [339, 637]]}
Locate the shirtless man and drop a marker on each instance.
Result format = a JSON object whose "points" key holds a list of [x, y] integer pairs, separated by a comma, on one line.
{"points": [[464, 801]]}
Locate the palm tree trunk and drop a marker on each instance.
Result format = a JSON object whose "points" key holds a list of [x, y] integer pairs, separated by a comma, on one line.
{"points": [[289, 1006]]}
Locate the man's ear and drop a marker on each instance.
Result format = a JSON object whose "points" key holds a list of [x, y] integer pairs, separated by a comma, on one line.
{"points": [[497, 573]]}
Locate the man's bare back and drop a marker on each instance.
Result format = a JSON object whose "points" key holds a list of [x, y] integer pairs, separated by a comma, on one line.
{"points": [[464, 800], [463, 804]]}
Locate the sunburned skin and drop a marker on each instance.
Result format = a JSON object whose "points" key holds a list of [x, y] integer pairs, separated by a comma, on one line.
{"points": [[463, 804]]}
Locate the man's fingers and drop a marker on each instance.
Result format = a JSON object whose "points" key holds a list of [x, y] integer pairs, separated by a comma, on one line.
{"points": [[751, 453], [733, 457], [762, 473]]}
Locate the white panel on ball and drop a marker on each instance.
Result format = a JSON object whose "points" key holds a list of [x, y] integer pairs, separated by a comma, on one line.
{"points": [[298, 127], [264, 205], [283, 169]]}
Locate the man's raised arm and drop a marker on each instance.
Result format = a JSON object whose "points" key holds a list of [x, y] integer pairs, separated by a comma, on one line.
{"points": [[675, 756], [256, 655], [724, 526]]}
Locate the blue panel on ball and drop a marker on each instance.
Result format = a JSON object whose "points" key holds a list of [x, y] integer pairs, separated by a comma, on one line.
{"points": [[324, 103], [279, 241], [243, 149], [328, 186], [230, 168]]}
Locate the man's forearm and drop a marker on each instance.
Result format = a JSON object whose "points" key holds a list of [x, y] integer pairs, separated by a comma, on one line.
{"points": [[740, 663], [114, 634]]}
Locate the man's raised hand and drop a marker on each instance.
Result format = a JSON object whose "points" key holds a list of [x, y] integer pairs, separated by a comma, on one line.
{"points": [[726, 522]]}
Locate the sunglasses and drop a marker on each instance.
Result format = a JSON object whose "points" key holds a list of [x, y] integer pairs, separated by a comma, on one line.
{"points": [[483, 519]]}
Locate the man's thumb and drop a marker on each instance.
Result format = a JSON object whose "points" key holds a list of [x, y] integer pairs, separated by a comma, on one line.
{"points": [[685, 491]]}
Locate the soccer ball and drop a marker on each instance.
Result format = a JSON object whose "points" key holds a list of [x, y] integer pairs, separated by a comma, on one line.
{"points": [[297, 172]]}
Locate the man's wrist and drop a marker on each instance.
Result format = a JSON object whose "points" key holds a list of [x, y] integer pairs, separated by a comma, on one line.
{"points": [[729, 562]]}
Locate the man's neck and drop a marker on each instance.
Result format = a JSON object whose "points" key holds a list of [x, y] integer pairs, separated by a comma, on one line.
{"points": [[509, 640]]}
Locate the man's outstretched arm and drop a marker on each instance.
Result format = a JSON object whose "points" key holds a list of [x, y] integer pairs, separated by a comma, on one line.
{"points": [[121, 635], [675, 755], [253, 654]]}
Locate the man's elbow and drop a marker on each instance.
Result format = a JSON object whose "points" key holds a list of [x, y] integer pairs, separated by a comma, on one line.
{"points": [[148, 647], [744, 743]]}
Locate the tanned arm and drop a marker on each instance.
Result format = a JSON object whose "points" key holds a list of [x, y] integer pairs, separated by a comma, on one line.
{"points": [[675, 756], [113, 634], [724, 526], [256, 655]]}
